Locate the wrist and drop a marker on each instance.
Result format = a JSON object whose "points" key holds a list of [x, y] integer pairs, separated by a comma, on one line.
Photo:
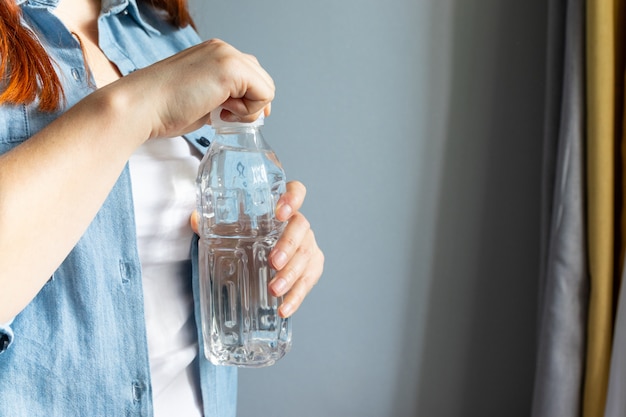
{"points": [[123, 110]]}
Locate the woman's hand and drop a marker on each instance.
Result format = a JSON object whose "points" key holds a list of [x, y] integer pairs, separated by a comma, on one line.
{"points": [[176, 95], [297, 259], [98, 135]]}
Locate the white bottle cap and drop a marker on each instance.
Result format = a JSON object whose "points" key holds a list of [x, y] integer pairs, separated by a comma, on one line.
{"points": [[216, 120]]}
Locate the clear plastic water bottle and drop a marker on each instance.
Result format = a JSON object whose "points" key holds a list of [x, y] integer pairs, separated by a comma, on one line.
{"points": [[239, 183]]}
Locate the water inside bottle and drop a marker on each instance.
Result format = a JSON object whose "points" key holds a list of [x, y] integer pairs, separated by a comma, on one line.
{"points": [[239, 183], [246, 329]]}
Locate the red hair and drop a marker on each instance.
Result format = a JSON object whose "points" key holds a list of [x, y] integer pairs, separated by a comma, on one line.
{"points": [[26, 68]]}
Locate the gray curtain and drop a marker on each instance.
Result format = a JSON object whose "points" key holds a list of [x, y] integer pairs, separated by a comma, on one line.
{"points": [[564, 278], [616, 395]]}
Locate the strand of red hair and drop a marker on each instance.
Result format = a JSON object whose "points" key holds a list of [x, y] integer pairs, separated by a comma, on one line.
{"points": [[27, 70]]}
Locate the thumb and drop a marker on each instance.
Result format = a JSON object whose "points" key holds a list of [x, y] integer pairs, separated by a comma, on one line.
{"points": [[193, 221]]}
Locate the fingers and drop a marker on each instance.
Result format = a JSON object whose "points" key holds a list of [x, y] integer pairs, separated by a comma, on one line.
{"points": [[247, 107], [247, 99], [303, 286], [193, 221], [291, 201], [299, 275], [296, 256], [290, 241], [178, 93], [229, 116]]}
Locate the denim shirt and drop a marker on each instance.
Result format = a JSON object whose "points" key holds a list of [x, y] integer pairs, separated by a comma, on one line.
{"points": [[79, 348]]}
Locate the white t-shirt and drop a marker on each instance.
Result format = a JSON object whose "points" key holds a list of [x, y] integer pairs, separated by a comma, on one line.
{"points": [[163, 172]]}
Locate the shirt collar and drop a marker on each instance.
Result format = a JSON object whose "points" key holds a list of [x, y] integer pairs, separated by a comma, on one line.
{"points": [[112, 5], [130, 6], [108, 7]]}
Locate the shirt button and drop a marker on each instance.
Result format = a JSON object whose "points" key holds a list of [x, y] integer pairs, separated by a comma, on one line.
{"points": [[138, 390], [203, 141], [4, 342], [76, 74], [126, 270]]}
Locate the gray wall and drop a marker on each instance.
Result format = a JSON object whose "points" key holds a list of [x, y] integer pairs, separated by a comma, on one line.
{"points": [[416, 125]]}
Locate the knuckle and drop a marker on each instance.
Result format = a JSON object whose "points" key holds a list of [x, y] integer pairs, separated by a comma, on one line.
{"points": [[297, 294], [297, 191], [321, 257], [252, 58], [214, 43], [301, 186], [290, 242], [305, 251], [308, 282], [301, 221], [230, 62], [289, 275]]}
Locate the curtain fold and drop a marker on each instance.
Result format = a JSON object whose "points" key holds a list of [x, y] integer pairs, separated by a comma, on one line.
{"points": [[581, 354], [615, 405], [616, 398], [564, 279], [601, 47]]}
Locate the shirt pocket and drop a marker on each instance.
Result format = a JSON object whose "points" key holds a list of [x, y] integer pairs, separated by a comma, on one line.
{"points": [[14, 126], [20, 122]]}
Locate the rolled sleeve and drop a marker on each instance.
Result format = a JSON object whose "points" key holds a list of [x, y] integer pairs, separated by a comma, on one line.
{"points": [[6, 336]]}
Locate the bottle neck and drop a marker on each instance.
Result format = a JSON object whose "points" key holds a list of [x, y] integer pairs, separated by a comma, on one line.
{"points": [[235, 130], [248, 137]]}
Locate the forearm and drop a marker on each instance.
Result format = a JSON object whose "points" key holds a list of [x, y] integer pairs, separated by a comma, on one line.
{"points": [[52, 185]]}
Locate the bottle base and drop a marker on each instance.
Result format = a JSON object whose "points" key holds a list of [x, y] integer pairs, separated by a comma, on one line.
{"points": [[252, 356]]}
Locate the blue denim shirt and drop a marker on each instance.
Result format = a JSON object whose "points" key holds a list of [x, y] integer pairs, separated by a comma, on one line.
{"points": [[79, 348]]}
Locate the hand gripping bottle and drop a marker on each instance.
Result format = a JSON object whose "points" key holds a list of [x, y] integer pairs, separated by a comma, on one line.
{"points": [[239, 183]]}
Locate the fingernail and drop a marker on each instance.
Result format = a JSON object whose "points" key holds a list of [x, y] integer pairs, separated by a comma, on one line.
{"points": [[286, 309], [279, 286], [283, 211], [279, 259]]}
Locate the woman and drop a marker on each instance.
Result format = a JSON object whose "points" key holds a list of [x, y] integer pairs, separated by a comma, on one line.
{"points": [[88, 239]]}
